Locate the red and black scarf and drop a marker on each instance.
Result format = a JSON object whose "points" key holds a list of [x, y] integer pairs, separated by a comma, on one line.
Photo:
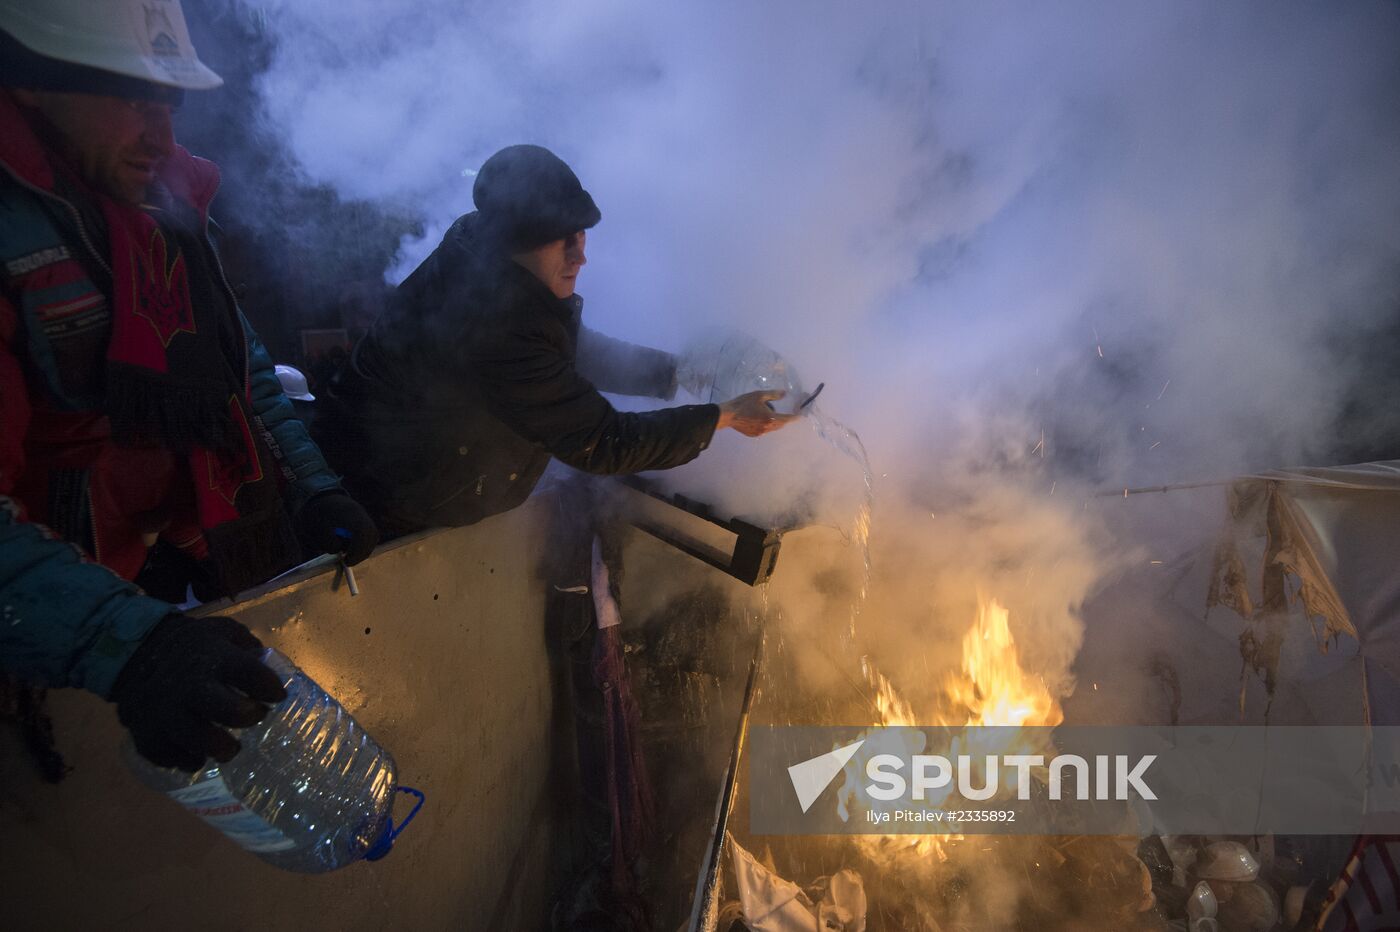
{"points": [[177, 362], [177, 373]]}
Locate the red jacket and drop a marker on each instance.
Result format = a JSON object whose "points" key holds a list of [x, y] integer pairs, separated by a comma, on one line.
{"points": [[62, 271]]}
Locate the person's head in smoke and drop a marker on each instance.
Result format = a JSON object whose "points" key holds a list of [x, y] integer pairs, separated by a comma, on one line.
{"points": [[533, 208], [100, 79]]}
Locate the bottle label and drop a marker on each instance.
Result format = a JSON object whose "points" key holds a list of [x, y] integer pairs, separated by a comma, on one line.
{"points": [[212, 802]]}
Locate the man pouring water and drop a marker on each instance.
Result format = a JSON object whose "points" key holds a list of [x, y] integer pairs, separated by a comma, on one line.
{"points": [[480, 370]]}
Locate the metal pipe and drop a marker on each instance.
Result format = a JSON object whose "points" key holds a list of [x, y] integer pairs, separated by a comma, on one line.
{"points": [[704, 911]]}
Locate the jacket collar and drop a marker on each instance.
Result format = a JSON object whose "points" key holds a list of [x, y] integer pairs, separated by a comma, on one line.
{"points": [[24, 155], [463, 233]]}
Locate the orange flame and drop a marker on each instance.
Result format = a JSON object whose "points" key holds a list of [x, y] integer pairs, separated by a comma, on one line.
{"points": [[993, 687], [990, 689]]}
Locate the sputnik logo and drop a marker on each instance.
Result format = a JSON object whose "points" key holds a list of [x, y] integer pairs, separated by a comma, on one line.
{"points": [[811, 777]]}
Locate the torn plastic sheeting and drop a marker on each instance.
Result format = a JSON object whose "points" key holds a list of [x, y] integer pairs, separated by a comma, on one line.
{"points": [[772, 904], [1328, 540]]}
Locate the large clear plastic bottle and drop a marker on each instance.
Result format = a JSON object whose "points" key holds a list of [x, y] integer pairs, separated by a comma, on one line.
{"points": [[721, 367], [310, 791]]}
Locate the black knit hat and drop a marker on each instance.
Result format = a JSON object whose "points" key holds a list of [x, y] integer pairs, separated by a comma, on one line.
{"points": [[527, 197]]}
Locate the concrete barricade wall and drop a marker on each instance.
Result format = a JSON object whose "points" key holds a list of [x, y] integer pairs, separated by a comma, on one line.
{"points": [[442, 657]]}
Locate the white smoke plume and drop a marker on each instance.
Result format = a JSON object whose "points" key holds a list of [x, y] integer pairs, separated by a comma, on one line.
{"points": [[1033, 250], [928, 206], [1082, 245]]}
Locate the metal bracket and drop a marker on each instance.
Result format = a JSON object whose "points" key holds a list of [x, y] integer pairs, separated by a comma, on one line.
{"points": [[751, 559]]}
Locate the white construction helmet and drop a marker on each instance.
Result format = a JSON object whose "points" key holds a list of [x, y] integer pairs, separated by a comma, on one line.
{"points": [[142, 39], [294, 383]]}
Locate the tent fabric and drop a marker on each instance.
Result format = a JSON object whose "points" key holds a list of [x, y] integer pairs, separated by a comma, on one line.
{"points": [[1326, 540]]}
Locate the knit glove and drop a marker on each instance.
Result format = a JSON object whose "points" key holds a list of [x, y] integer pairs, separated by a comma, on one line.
{"points": [[189, 676], [333, 522]]}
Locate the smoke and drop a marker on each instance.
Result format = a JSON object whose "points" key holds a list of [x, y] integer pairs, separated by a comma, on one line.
{"points": [[1033, 250], [928, 207], [1028, 249]]}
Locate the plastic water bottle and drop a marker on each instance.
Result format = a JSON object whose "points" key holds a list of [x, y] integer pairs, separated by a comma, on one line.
{"points": [[719, 368], [310, 791]]}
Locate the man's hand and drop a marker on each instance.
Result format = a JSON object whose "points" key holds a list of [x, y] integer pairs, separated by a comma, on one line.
{"points": [[333, 522], [189, 676], [752, 415]]}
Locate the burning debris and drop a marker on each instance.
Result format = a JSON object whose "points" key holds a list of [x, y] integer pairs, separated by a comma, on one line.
{"points": [[1135, 880], [991, 688]]}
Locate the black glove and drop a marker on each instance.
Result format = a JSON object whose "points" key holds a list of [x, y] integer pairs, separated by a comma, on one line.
{"points": [[188, 676], [333, 522]]}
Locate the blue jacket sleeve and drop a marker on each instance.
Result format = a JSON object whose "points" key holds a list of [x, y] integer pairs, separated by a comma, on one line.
{"points": [[63, 620], [291, 442]]}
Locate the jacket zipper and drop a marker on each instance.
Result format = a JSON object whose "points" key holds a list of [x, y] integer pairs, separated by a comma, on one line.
{"points": [[92, 516], [233, 303]]}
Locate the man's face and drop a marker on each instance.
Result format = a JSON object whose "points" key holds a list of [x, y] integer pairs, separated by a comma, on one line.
{"points": [[116, 145], [557, 263]]}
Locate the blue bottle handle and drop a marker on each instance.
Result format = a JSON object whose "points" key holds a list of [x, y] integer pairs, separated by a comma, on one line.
{"points": [[385, 843]]}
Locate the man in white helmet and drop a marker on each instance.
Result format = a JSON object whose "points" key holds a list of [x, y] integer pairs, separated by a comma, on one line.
{"points": [[139, 414], [298, 393]]}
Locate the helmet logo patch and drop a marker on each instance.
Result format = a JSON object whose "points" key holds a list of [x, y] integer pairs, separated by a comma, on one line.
{"points": [[160, 32]]}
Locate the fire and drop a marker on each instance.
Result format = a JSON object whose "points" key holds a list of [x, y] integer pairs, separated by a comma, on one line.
{"points": [[991, 688]]}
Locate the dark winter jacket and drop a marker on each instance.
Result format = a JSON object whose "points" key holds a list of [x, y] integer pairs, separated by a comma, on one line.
{"points": [[473, 377], [77, 509]]}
